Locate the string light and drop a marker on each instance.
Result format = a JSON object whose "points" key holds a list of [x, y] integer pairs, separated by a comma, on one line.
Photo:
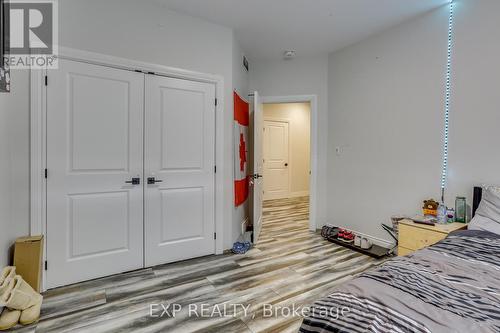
{"points": [[447, 103]]}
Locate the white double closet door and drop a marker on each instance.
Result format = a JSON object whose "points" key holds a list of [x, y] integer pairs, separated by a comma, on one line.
{"points": [[130, 160]]}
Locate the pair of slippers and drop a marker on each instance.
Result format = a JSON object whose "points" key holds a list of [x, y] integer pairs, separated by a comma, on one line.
{"points": [[21, 303]]}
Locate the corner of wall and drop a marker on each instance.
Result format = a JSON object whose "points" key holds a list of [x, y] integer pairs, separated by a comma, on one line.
{"points": [[240, 82]]}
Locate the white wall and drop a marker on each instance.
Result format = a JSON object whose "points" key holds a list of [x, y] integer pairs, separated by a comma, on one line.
{"points": [[240, 85], [300, 76], [475, 106], [298, 116], [386, 112], [14, 168], [129, 29]]}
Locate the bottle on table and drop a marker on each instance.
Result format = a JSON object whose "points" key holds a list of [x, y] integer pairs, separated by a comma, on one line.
{"points": [[460, 209]]}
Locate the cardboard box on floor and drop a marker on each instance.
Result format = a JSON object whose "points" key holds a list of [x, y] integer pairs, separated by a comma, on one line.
{"points": [[28, 254]]}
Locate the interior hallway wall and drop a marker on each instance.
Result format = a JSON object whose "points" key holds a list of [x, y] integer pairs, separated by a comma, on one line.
{"points": [[298, 116]]}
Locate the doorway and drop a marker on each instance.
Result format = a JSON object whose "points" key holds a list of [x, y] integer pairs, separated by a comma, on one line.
{"points": [[286, 150], [282, 168], [286, 167], [308, 156]]}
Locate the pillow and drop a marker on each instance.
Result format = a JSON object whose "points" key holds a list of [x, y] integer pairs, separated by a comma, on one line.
{"points": [[488, 213], [484, 224], [493, 188]]}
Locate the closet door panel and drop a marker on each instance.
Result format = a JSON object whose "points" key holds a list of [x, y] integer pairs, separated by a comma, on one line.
{"points": [[179, 160], [94, 147]]}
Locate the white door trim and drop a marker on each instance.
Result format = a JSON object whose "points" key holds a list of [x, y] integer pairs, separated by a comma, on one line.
{"points": [[38, 135], [313, 186]]}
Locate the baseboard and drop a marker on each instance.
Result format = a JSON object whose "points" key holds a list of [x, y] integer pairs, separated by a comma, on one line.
{"points": [[375, 240]]}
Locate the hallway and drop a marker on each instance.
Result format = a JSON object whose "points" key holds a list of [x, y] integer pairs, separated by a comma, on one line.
{"points": [[290, 215]]}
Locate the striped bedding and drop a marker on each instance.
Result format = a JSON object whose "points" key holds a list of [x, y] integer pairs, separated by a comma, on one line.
{"points": [[453, 286]]}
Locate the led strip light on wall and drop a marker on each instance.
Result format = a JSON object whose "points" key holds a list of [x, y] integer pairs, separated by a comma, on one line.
{"points": [[447, 104]]}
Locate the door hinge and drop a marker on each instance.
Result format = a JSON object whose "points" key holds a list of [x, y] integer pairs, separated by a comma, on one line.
{"points": [[46, 80], [46, 265], [216, 102], [46, 172], [215, 168], [215, 235]]}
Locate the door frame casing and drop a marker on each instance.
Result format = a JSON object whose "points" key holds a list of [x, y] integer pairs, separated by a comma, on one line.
{"points": [[38, 135], [313, 184]]}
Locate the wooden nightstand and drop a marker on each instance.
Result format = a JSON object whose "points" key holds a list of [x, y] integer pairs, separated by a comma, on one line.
{"points": [[414, 236]]}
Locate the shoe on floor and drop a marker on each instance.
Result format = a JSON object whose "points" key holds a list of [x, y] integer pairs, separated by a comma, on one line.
{"points": [[366, 243], [340, 234], [357, 241], [6, 275], [348, 237], [23, 298], [9, 319]]}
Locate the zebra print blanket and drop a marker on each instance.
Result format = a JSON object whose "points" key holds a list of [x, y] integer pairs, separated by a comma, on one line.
{"points": [[453, 286]]}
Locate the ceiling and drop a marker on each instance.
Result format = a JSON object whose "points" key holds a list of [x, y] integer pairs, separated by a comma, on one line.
{"points": [[266, 28]]}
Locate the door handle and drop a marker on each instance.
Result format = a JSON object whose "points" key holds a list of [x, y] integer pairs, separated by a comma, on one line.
{"points": [[257, 176], [286, 164], [134, 181], [152, 181]]}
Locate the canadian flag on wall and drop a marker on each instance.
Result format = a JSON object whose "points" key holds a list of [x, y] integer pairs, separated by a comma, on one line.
{"points": [[241, 123]]}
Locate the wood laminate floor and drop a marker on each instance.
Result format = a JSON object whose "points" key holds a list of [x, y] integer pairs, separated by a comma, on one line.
{"points": [[289, 266]]}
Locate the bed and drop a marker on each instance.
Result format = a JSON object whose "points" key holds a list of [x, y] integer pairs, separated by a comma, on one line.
{"points": [[452, 286]]}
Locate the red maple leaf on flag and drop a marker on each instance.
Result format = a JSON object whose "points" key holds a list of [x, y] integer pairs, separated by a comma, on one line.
{"points": [[243, 150]]}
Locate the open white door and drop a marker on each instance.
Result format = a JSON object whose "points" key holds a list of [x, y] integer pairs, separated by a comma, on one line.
{"points": [[258, 128]]}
